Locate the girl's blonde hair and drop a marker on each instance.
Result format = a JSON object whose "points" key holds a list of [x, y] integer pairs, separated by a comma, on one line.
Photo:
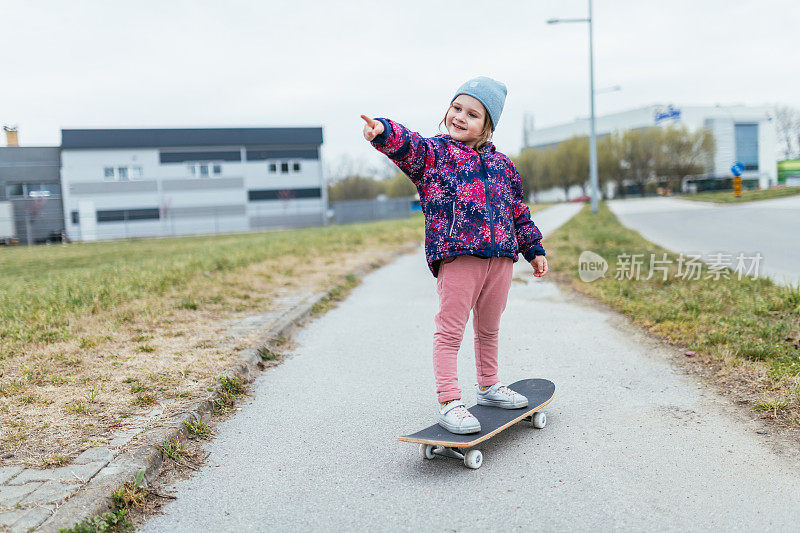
{"points": [[486, 133]]}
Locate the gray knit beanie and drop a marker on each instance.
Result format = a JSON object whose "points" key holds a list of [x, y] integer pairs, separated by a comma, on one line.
{"points": [[491, 93]]}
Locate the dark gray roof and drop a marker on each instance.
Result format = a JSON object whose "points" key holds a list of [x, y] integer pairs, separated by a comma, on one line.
{"points": [[30, 155], [166, 138], [29, 164]]}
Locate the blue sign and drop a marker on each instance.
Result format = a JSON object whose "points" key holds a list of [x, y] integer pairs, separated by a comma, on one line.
{"points": [[669, 113], [737, 168]]}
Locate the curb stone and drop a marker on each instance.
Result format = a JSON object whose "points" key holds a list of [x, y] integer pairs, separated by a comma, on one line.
{"points": [[93, 498]]}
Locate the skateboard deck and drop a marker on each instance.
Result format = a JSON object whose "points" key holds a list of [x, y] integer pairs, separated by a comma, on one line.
{"points": [[437, 440]]}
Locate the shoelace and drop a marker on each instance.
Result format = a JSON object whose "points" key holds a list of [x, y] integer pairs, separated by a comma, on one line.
{"points": [[461, 412]]}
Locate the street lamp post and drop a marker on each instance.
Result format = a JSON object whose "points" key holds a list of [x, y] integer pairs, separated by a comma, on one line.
{"points": [[593, 136]]}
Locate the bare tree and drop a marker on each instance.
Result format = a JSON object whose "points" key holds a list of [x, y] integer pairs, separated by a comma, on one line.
{"points": [[640, 156], [532, 171], [638, 153], [684, 153], [573, 156], [355, 188], [608, 162], [539, 169], [346, 166], [787, 122], [385, 169]]}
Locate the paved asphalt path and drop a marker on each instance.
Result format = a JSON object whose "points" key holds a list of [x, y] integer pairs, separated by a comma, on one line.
{"points": [[630, 444], [771, 227]]}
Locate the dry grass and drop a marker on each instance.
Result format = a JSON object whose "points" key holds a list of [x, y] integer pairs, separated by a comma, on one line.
{"points": [[58, 398]]}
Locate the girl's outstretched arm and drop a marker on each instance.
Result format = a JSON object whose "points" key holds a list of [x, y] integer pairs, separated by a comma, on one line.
{"points": [[414, 154]]}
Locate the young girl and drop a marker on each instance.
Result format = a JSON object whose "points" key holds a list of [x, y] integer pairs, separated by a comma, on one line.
{"points": [[476, 224]]}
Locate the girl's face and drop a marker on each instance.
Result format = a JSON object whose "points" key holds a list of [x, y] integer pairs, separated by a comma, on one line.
{"points": [[465, 119]]}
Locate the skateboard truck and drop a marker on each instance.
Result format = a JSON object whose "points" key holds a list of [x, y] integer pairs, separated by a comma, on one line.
{"points": [[445, 451], [472, 458]]}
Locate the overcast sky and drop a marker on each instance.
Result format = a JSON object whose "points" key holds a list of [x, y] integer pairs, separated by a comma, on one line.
{"points": [[262, 63]]}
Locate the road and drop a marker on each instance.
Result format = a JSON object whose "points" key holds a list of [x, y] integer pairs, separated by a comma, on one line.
{"points": [[631, 442], [769, 227]]}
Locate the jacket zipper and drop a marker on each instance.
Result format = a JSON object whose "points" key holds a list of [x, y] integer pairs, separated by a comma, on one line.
{"points": [[452, 222], [488, 203]]}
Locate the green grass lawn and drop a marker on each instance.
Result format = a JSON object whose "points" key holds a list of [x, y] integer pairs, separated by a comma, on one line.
{"points": [[727, 197], [42, 287]]}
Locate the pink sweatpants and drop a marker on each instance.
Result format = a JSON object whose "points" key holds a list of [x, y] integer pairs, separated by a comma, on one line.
{"points": [[465, 284]]}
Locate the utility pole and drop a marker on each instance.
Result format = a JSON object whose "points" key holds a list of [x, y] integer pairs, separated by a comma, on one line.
{"points": [[593, 137]]}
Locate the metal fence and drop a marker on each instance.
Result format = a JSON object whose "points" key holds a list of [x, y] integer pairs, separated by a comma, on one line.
{"points": [[31, 220], [27, 221], [366, 210]]}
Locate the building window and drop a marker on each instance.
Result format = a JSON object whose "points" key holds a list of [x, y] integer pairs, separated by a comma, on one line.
{"points": [[204, 169], [122, 173], [15, 191], [283, 194], [126, 215], [54, 188], [747, 145], [42, 190], [205, 155], [283, 167], [32, 190]]}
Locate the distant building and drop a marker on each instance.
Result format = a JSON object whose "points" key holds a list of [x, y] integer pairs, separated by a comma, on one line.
{"points": [[30, 194], [121, 183], [742, 133]]}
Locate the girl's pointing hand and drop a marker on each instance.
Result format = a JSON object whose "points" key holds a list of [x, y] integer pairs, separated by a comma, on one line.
{"points": [[372, 128]]}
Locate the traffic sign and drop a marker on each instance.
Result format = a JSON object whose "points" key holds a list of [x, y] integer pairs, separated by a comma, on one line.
{"points": [[737, 168]]}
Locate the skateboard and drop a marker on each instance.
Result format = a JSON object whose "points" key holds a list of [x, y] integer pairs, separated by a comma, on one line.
{"points": [[435, 440]]}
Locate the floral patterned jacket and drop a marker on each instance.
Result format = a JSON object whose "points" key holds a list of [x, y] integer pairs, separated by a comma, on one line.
{"points": [[472, 201]]}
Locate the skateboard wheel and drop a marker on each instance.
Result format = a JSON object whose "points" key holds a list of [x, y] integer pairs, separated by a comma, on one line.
{"points": [[539, 420], [473, 459], [426, 451]]}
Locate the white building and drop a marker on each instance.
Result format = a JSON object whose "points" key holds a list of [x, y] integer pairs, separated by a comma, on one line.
{"points": [[742, 133], [119, 183]]}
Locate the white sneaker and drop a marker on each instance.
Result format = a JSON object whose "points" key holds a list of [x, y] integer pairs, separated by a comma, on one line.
{"points": [[456, 418], [498, 395]]}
